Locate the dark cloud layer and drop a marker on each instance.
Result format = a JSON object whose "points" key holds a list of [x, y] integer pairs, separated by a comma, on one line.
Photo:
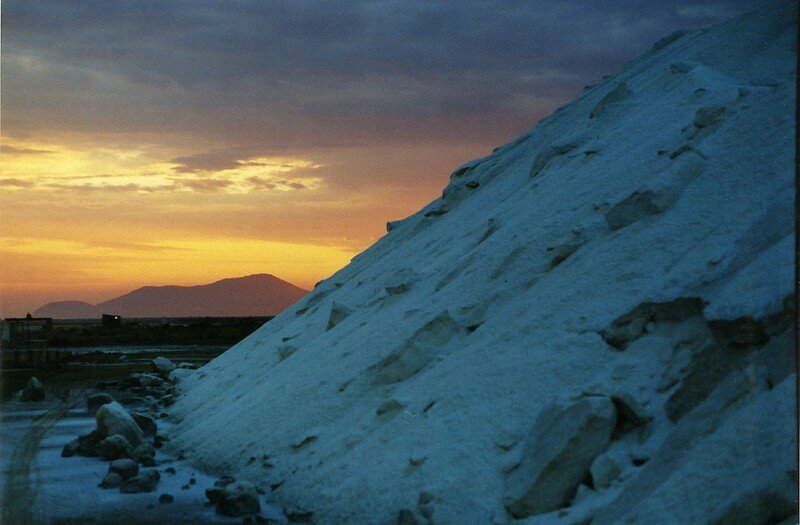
{"points": [[293, 74]]}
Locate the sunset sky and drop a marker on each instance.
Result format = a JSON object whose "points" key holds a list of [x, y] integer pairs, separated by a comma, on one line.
{"points": [[184, 142]]}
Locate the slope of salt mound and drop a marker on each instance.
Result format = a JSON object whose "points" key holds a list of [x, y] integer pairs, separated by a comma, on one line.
{"points": [[637, 246]]}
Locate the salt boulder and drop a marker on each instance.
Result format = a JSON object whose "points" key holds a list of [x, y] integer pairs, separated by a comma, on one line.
{"points": [[70, 449], [162, 365], [149, 380], [179, 374], [113, 447], [146, 423], [94, 402], [88, 442], [111, 480], [557, 455], [239, 498], [126, 468], [34, 391], [113, 419], [145, 481]]}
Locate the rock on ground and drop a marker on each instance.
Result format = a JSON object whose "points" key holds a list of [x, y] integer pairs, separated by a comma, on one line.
{"points": [[113, 447], [111, 480], [239, 498], [112, 419], [95, 401], [162, 365], [179, 374], [144, 481], [33, 391], [146, 423], [126, 468]]}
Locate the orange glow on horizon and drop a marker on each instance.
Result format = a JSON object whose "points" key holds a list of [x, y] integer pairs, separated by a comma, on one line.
{"points": [[92, 221]]}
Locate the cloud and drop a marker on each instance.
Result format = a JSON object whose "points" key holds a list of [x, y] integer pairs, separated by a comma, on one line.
{"points": [[204, 185], [261, 183], [114, 188], [23, 151], [336, 72], [130, 246], [269, 183], [16, 183], [208, 161]]}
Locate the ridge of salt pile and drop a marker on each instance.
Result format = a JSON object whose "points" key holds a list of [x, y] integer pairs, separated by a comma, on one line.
{"points": [[595, 321]]}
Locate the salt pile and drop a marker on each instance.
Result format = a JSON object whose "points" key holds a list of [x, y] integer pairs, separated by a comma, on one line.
{"points": [[595, 321]]}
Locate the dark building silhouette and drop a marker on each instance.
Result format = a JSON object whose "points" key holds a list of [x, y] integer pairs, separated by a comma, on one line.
{"points": [[26, 332], [112, 321]]}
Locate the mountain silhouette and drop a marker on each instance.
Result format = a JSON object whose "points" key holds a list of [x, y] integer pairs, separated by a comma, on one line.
{"points": [[253, 295]]}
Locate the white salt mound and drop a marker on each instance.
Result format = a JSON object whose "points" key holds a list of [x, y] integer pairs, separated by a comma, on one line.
{"points": [[593, 322]]}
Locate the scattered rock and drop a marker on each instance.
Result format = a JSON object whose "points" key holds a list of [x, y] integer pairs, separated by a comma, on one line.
{"points": [[87, 443], [224, 480], [94, 402], [33, 391], [162, 365], [145, 481], [126, 468], [166, 498], [144, 449], [213, 493], [111, 480], [113, 447], [70, 449], [557, 455], [148, 460], [146, 423], [150, 381], [179, 374], [113, 419], [239, 498], [159, 440], [169, 470]]}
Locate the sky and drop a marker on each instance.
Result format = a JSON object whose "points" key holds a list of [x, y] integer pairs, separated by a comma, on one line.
{"points": [[160, 142]]}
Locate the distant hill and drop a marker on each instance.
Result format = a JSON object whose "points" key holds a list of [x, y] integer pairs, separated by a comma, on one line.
{"points": [[254, 295]]}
